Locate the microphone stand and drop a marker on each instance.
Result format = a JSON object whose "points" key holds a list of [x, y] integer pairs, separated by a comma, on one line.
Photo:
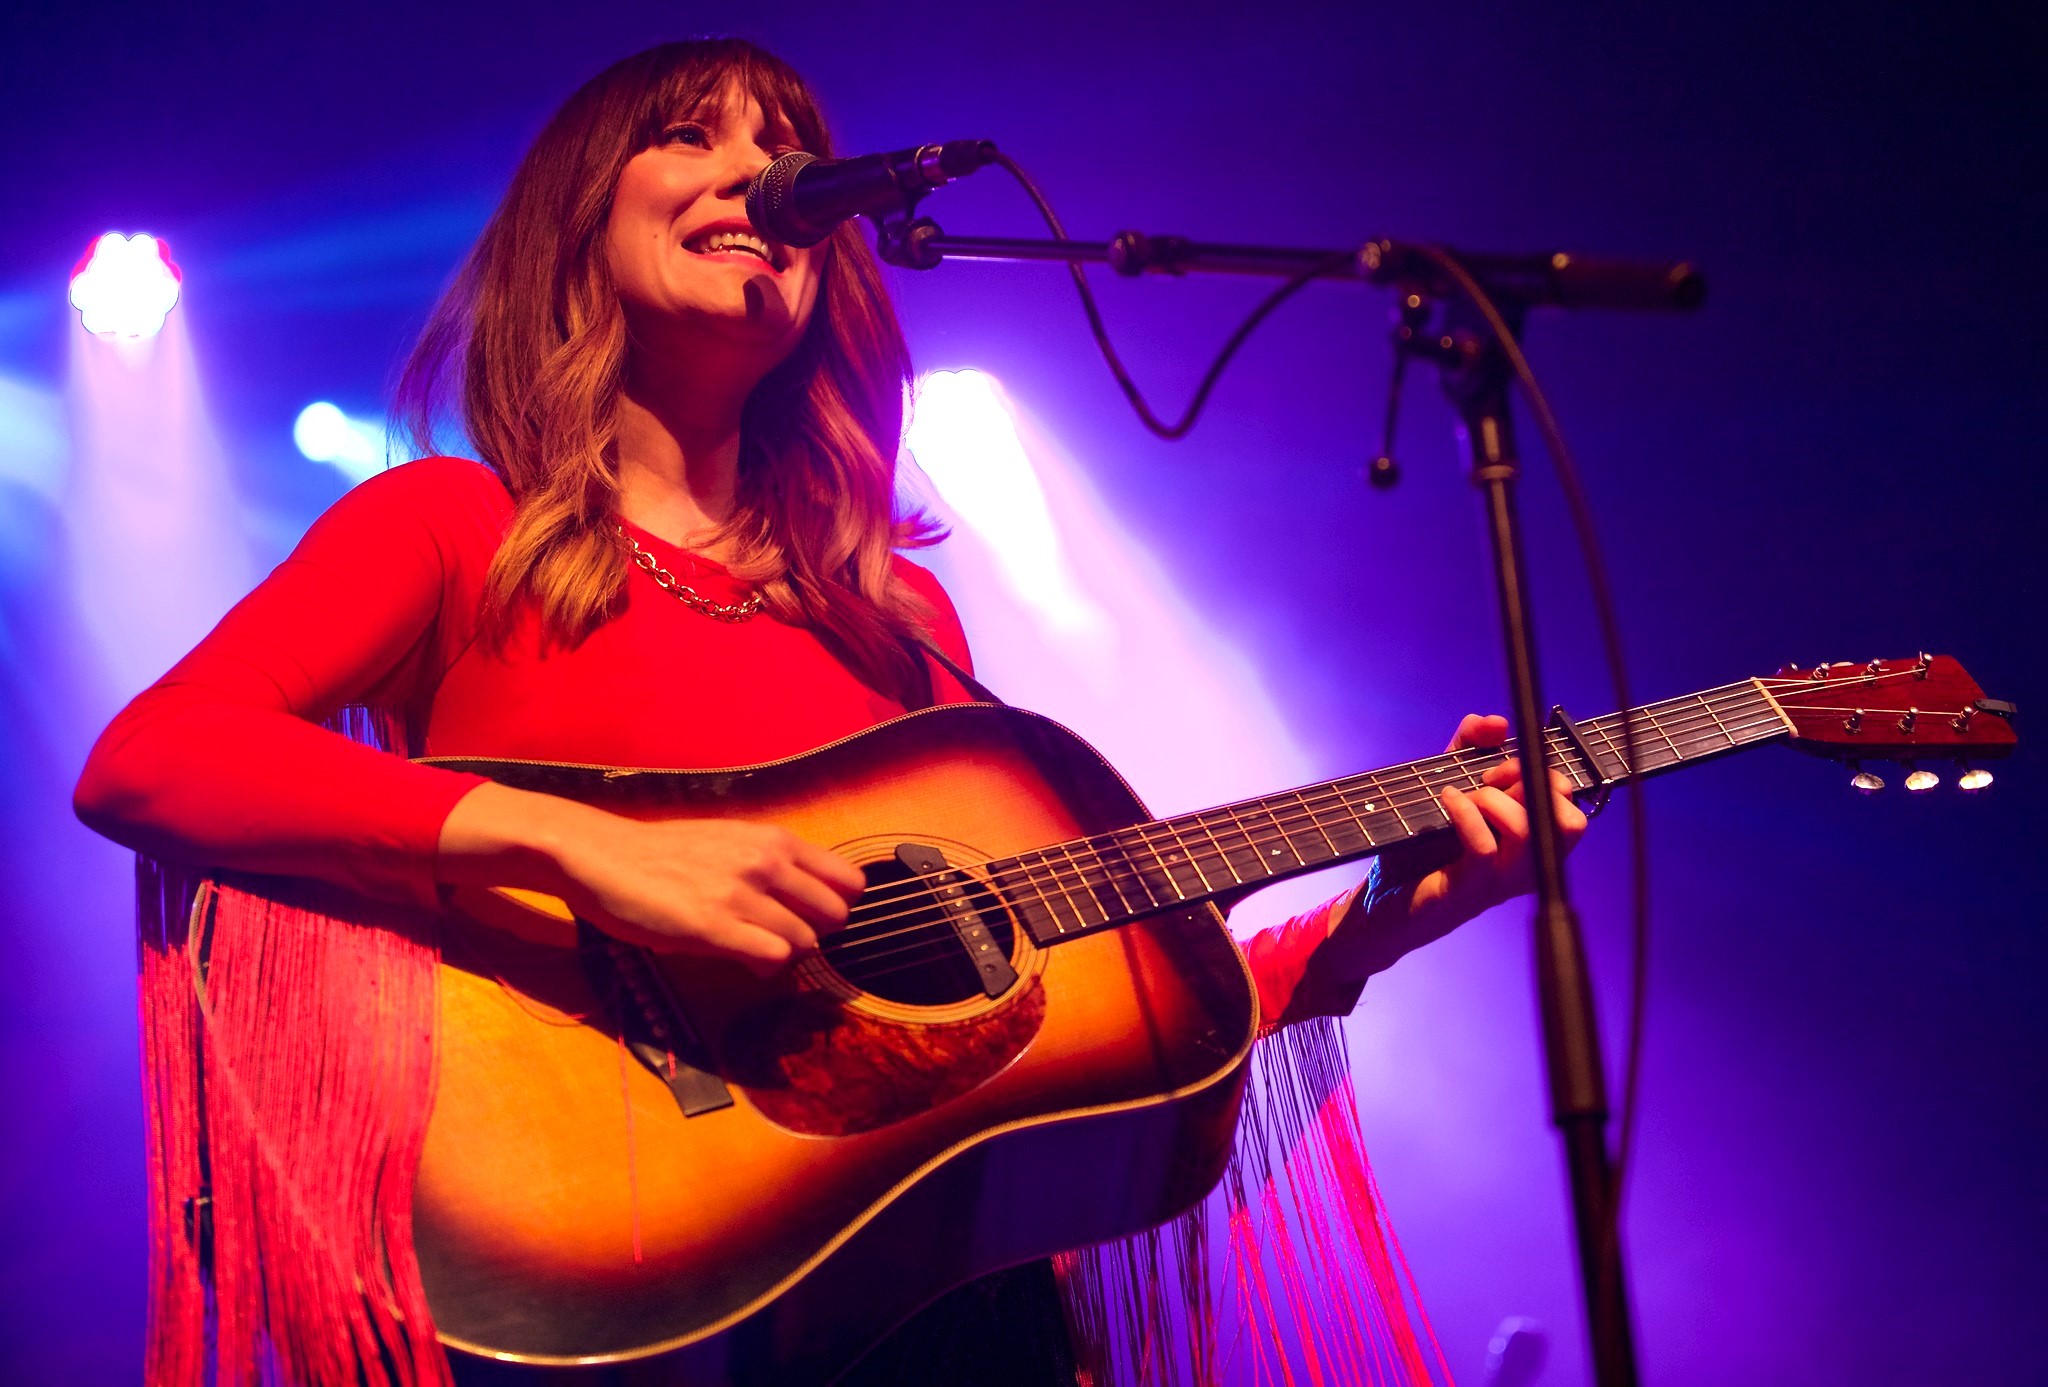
{"points": [[1476, 373]]}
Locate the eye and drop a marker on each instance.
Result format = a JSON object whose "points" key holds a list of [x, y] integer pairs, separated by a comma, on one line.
{"points": [[687, 132]]}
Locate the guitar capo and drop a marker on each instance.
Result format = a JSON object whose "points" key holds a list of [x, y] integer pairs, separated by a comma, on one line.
{"points": [[1603, 784]]}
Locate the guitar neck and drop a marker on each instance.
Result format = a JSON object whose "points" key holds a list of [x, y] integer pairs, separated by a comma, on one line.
{"points": [[1089, 884]]}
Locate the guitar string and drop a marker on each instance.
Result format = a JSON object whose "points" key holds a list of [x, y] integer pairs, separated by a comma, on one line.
{"points": [[1699, 702], [1107, 856], [1332, 794], [1121, 876], [1096, 855], [936, 937], [1372, 781], [1111, 852], [1694, 704], [1098, 859]]}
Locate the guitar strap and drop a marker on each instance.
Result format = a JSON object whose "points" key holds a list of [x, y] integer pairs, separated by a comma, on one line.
{"points": [[967, 681]]}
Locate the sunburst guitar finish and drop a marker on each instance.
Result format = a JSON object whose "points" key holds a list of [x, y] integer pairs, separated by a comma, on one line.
{"points": [[893, 1117], [1031, 1036]]}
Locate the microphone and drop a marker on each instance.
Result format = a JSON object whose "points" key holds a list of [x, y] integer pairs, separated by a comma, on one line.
{"points": [[799, 198]]}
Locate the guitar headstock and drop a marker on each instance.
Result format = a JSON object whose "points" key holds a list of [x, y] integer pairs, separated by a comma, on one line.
{"points": [[1925, 709]]}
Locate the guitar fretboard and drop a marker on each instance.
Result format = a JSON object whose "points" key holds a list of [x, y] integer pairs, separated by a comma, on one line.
{"points": [[1077, 887]]}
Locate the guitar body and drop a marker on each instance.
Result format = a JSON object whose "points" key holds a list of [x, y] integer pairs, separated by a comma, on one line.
{"points": [[876, 1150]]}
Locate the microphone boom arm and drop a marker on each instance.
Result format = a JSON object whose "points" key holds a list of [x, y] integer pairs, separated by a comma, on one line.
{"points": [[1555, 278]]}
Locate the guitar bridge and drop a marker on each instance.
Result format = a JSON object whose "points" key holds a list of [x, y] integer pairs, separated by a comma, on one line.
{"points": [[651, 1022]]}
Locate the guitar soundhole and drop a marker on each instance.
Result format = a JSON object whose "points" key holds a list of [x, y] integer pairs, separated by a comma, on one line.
{"points": [[902, 947]]}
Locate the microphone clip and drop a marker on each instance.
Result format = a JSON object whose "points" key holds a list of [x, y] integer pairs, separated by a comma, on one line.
{"points": [[905, 241]]}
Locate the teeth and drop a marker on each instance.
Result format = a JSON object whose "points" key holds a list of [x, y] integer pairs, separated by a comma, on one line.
{"points": [[731, 240]]}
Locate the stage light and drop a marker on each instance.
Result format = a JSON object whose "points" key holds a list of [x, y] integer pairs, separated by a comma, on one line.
{"points": [[353, 447], [965, 439], [125, 286]]}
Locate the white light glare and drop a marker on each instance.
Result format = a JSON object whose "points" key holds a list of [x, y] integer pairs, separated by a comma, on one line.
{"points": [[964, 437], [353, 447], [125, 286]]}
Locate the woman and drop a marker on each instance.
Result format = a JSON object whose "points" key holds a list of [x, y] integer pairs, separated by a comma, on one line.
{"points": [[678, 552]]}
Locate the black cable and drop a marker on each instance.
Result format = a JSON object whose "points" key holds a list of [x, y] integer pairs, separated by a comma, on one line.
{"points": [[1610, 635], [1153, 422]]}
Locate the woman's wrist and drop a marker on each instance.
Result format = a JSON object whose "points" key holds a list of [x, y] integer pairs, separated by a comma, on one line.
{"points": [[1360, 942], [499, 836], [1388, 918]]}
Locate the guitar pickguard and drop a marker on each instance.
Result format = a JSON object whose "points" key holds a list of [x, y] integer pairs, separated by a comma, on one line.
{"points": [[814, 1067]]}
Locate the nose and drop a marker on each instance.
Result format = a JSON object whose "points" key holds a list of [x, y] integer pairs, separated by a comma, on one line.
{"points": [[747, 162]]}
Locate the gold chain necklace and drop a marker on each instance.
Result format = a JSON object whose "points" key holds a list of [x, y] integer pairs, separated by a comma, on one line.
{"points": [[682, 591]]}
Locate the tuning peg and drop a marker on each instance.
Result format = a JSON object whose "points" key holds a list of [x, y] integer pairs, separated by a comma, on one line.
{"points": [[1973, 779], [1864, 781], [1919, 781]]}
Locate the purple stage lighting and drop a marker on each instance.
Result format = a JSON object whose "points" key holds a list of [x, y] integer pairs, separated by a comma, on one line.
{"points": [[125, 286]]}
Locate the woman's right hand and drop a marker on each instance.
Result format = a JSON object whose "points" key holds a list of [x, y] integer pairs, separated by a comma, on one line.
{"points": [[751, 892]]}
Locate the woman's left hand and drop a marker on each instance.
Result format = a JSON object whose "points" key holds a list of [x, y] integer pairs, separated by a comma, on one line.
{"points": [[1492, 824]]}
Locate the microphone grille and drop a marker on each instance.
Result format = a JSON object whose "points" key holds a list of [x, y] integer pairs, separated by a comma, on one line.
{"points": [[768, 198]]}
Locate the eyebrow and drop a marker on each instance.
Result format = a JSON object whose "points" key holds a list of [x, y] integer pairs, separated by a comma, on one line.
{"points": [[708, 109]]}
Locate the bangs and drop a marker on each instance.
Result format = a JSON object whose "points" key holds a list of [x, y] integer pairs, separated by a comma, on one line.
{"points": [[699, 76]]}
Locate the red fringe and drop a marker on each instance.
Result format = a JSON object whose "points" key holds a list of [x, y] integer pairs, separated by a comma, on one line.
{"points": [[281, 1159], [1319, 1292], [282, 1147]]}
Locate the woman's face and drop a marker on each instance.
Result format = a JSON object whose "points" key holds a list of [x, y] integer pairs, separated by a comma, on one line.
{"points": [[691, 273]]}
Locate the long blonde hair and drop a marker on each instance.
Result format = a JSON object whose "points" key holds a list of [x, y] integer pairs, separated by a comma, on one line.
{"points": [[530, 344]]}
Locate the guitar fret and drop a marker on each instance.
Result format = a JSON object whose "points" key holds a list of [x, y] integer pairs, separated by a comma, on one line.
{"points": [[1089, 897], [1191, 854], [1060, 883], [1132, 856], [1165, 860], [1385, 823], [1246, 861], [1598, 728], [1201, 821], [1329, 849], [1430, 809], [1122, 875], [1376, 821], [1052, 901], [1648, 756], [1564, 755], [1400, 817], [1719, 727], [1087, 884], [1252, 826], [1272, 841], [1657, 723]]}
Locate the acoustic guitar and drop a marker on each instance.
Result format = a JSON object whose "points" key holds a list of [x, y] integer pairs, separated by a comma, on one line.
{"points": [[1031, 1036]]}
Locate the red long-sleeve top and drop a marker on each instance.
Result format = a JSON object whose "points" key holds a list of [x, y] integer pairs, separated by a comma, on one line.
{"points": [[222, 762]]}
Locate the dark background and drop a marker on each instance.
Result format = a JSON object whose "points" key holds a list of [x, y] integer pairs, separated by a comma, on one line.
{"points": [[1840, 1176]]}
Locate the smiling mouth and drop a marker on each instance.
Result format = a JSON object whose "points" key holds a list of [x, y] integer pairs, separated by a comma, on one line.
{"points": [[731, 243]]}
